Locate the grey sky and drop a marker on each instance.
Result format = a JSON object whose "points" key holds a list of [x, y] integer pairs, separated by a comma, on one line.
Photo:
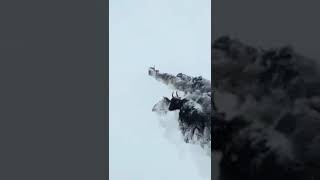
{"points": [[270, 23], [174, 36]]}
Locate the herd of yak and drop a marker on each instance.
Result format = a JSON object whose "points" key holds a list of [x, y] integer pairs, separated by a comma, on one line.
{"points": [[264, 105]]}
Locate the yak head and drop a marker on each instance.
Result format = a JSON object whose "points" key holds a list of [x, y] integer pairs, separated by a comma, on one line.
{"points": [[176, 102], [166, 104], [224, 130]]}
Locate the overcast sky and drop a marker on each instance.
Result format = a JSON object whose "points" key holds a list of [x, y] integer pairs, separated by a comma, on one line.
{"points": [[174, 36], [270, 23]]}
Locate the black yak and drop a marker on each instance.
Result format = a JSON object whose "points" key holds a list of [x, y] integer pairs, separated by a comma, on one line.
{"points": [[194, 108], [270, 127]]}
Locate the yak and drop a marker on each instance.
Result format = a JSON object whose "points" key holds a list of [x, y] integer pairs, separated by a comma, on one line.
{"points": [[269, 128], [194, 117]]}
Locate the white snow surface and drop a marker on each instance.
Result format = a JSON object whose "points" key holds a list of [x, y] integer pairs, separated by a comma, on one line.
{"points": [[175, 37]]}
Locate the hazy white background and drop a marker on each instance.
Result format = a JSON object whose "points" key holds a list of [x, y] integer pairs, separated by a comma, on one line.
{"points": [[175, 36]]}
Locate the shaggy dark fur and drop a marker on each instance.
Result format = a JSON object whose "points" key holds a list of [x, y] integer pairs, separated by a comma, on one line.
{"points": [[273, 129], [194, 108]]}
